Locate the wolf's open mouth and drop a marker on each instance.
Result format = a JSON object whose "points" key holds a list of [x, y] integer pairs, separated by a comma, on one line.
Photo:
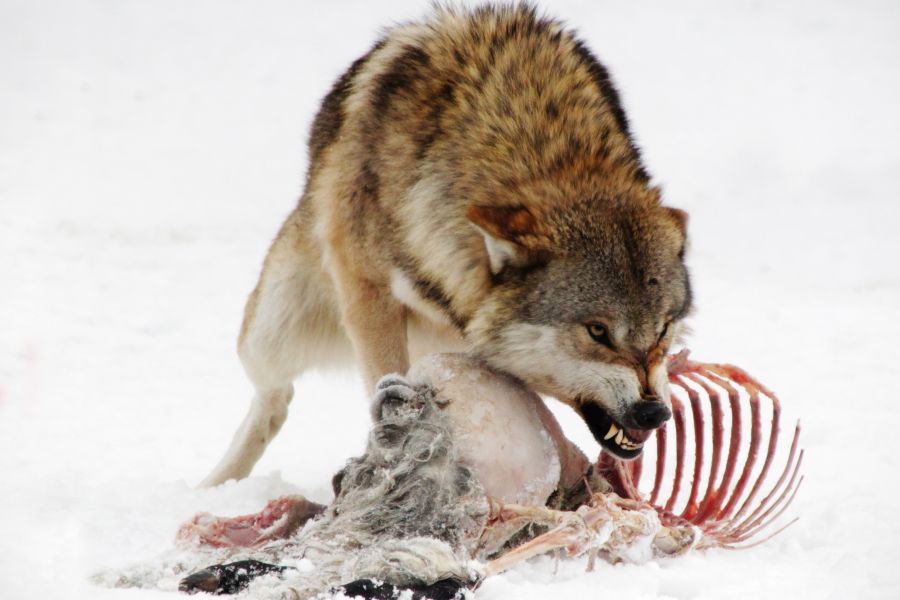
{"points": [[623, 442]]}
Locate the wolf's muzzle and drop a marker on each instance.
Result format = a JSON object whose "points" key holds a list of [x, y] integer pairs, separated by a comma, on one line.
{"points": [[625, 439]]}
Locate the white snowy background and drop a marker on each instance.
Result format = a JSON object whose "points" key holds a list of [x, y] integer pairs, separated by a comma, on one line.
{"points": [[149, 151]]}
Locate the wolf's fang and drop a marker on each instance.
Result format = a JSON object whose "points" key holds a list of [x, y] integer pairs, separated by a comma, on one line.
{"points": [[613, 430]]}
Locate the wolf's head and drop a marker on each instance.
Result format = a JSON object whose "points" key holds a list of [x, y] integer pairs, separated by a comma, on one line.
{"points": [[586, 300]]}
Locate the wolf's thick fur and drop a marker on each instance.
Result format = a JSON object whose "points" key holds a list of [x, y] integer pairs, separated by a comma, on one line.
{"points": [[472, 184]]}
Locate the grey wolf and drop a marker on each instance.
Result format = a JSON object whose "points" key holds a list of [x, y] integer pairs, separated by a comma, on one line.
{"points": [[473, 185]]}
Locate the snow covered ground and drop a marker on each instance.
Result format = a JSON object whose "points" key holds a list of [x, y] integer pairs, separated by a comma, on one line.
{"points": [[149, 150]]}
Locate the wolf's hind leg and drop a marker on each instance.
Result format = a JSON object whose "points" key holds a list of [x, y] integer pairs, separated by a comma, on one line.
{"points": [[267, 413], [291, 324]]}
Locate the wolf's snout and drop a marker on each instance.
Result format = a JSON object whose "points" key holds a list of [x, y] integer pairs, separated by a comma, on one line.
{"points": [[649, 414]]}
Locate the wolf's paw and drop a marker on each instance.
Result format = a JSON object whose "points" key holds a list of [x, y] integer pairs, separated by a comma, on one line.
{"points": [[395, 396]]}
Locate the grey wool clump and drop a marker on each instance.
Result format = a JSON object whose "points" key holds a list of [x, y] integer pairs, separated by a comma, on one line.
{"points": [[409, 482], [407, 512]]}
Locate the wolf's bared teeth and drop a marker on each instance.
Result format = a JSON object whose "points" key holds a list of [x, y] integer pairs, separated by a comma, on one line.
{"points": [[613, 430], [626, 443], [633, 442]]}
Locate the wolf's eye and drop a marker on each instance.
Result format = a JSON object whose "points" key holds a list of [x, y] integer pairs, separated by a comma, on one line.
{"points": [[599, 334]]}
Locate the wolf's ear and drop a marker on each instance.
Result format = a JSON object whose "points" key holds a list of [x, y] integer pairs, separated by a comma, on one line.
{"points": [[511, 234], [680, 218]]}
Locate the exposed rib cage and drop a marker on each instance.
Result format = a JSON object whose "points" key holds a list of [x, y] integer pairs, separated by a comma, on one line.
{"points": [[723, 508]]}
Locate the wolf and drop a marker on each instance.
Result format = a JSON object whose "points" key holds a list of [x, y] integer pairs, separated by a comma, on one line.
{"points": [[473, 185]]}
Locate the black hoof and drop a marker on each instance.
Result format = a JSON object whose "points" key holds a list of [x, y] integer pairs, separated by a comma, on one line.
{"points": [[445, 589], [227, 579], [394, 394], [389, 380]]}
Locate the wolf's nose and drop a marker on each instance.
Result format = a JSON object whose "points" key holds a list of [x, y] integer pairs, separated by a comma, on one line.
{"points": [[650, 414]]}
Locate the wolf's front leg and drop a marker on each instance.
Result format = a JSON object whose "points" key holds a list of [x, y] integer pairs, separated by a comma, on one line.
{"points": [[375, 322]]}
